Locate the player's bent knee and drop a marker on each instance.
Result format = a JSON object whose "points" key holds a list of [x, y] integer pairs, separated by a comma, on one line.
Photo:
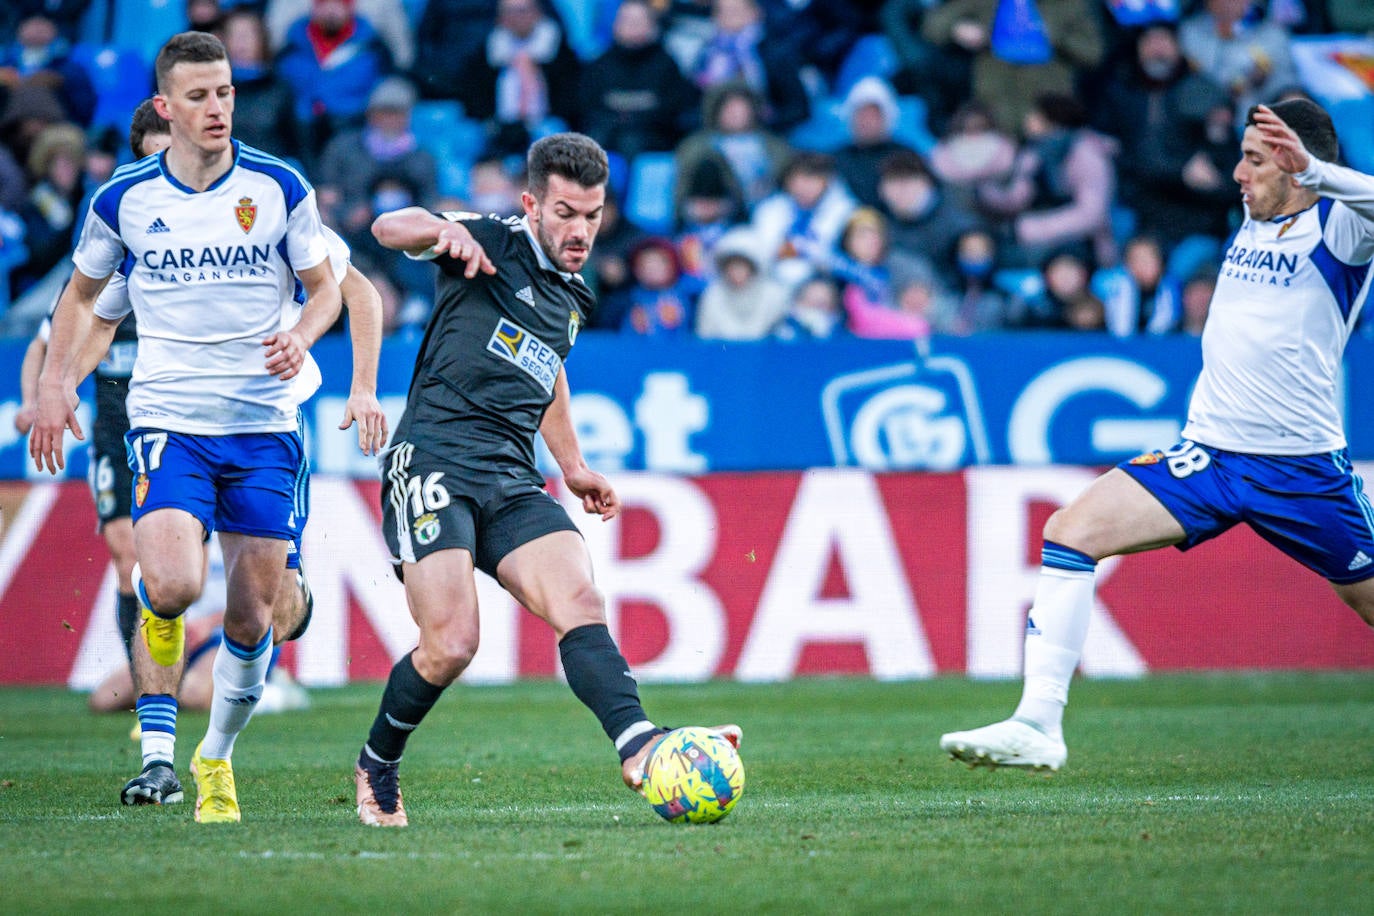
{"points": [[170, 597], [441, 659], [1062, 527]]}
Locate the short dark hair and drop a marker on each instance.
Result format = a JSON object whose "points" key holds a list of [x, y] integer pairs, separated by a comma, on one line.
{"points": [[146, 121], [187, 48], [809, 162], [1310, 122], [903, 163], [575, 157]]}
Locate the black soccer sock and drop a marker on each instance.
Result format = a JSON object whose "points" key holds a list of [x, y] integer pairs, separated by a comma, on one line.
{"points": [[600, 677], [405, 701], [126, 613]]}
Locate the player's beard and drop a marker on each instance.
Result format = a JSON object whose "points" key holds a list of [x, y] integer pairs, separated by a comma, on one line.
{"points": [[554, 253]]}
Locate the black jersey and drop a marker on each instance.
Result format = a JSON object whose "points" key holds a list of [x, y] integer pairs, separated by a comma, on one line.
{"points": [[492, 349], [113, 373]]}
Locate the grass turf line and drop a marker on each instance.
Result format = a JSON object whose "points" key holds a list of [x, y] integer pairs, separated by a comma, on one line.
{"points": [[1248, 793]]}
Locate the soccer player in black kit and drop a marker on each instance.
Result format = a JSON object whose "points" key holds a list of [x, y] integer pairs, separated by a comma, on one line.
{"points": [[460, 488]]}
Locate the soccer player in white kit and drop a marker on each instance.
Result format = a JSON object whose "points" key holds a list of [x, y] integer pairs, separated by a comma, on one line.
{"points": [[1264, 442], [218, 234]]}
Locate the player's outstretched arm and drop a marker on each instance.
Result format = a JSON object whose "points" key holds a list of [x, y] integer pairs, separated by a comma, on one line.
{"points": [[418, 232], [364, 305], [597, 495], [29, 370], [286, 349], [57, 400]]}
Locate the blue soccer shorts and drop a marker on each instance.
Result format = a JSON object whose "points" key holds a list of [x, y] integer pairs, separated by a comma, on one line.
{"points": [[243, 484], [1312, 507], [302, 498]]}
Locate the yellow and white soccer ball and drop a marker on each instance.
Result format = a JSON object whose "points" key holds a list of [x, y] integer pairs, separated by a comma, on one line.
{"points": [[693, 776]]}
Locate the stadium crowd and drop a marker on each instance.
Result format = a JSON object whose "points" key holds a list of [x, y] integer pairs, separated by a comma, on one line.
{"points": [[781, 168]]}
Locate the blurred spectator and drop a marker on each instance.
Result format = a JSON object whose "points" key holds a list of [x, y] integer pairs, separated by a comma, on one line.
{"points": [[1063, 299], [40, 56], [742, 302], [385, 145], [55, 168], [450, 44], [28, 112], [388, 17], [799, 226], [529, 83], [1176, 158], [870, 110], [924, 221], [492, 189], [740, 50], [1197, 299], [13, 185], [708, 209], [941, 74], [608, 268], [634, 97], [1253, 60], [975, 303], [1062, 187], [815, 313], [205, 16], [264, 110], [873, 285], [659, 300], [1021, 48], [824, 31], [1139, 296], [65, 14], [687, 28], [732, 136], [409, 281], [973, 150], [860, 264], [331, 60]]}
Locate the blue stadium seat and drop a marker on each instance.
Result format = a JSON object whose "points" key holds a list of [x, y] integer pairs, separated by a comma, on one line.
{"points": [[911, 124], [121, 78], [649, 198], [453, 139]]}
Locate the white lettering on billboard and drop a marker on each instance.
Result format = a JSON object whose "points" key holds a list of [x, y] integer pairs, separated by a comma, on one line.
{"points": [[837, 513], [669, 577], [1003, 565]]}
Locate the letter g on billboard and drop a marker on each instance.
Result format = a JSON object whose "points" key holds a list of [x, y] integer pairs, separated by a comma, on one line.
{"points": [[1032, 416]]}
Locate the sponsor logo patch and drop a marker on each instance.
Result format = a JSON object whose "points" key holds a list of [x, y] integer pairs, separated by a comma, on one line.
{"points": [[535, 358]]}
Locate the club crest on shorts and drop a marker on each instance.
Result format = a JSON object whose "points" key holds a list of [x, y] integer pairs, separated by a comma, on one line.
{"points": [[246, 213], [141, 490], [426, 529], [1154, 457], [574, 325]]}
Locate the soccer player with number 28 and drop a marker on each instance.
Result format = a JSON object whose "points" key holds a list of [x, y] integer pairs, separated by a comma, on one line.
{"points": [[1264, 442]]}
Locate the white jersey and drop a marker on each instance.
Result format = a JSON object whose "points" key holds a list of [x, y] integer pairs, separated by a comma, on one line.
{"points": [[1289, 292], [208, 274], [113, 304]]}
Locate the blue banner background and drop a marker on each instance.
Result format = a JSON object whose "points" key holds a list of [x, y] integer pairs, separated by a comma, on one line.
{"points": [[694, 407]]}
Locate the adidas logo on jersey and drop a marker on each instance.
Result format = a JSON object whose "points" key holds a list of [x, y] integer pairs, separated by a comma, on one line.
{"points": [[525, 295], [157, 226], [1360, 562]]}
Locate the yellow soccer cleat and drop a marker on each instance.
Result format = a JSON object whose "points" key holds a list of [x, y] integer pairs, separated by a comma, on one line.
{"points": [[217, 801], [166, 639]]}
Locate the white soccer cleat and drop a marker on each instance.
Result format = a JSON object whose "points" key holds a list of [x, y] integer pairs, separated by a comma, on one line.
{"points": [[1010, 743]]}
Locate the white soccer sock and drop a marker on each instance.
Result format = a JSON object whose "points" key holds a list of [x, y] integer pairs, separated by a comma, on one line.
{"points": [[1056, 629], [239, 677]]}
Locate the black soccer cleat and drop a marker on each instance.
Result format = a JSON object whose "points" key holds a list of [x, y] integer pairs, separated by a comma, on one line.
{"points": [[156, 785]]}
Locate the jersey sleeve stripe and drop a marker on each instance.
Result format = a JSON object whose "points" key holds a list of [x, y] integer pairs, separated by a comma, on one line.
{"points": [[105, 203], [293, 185]]}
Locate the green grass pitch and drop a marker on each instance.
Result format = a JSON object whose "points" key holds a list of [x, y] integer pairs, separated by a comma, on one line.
{"points": [[1183, 794]]}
